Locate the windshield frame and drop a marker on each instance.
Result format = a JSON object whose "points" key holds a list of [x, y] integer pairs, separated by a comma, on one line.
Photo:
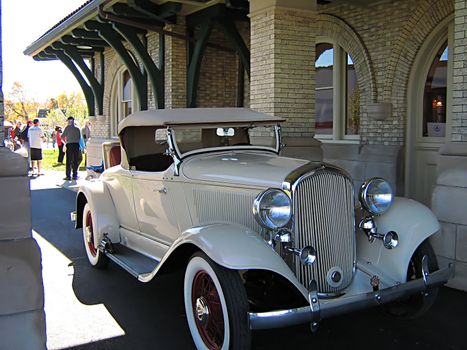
{"points": [[172, 130]]}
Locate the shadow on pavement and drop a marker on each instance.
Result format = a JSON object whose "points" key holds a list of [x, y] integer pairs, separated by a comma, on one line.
{"points": [[152, 315]]}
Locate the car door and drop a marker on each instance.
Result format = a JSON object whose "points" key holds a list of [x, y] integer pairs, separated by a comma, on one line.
{"points": [[119, 182], [154, 206]]}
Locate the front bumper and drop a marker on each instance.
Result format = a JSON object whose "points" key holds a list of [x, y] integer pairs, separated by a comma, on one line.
{"points": [[325, 308]]}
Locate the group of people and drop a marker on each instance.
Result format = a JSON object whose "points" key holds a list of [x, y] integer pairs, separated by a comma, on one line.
{"points": [[70, 142]]}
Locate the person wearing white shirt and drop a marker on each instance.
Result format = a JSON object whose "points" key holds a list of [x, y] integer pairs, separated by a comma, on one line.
{"points": [[35, 136]]}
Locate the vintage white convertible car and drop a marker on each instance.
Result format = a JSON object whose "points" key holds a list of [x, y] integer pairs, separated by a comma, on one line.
{"points": [[266, 241]]}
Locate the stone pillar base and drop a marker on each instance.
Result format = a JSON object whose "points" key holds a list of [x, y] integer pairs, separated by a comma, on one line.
{"points": [[366, 161], [449, 203], [22, 318]]}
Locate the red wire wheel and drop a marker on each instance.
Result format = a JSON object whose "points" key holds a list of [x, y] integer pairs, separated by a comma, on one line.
{"points": [[207, 309], [216, 305], [90, 234]]}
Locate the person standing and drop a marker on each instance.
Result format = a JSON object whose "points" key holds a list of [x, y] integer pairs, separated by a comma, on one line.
{"points": [[71, 136], [58, 139], [86, 134], [35, 137], [17, 130], [86, 131]]}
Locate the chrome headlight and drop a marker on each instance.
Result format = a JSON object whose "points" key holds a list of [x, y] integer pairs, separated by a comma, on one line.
{"points": [[272, 209], [376, 196]]}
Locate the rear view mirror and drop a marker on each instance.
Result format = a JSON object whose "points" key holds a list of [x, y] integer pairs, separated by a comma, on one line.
{"points": [[161, 136], [225, 132]]}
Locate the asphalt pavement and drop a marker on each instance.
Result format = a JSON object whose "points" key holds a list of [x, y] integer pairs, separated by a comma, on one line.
{"points": [[91, 309]]}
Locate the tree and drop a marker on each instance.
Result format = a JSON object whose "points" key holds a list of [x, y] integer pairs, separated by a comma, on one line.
{"points": [[64, 106], [18, 105]]}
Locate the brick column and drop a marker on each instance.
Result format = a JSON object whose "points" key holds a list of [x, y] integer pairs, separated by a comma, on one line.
{"points": [[175, 66], [282, 69], [459, 93], [450, 193]]}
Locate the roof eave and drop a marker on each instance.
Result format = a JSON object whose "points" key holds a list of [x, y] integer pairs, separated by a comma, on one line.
{"points": [[86, 13]]}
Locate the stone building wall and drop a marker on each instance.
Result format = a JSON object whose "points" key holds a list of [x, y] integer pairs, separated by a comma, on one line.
{"points": [[392, 32], [282, 67], [459, 94], [175, 67], [218, 75]]}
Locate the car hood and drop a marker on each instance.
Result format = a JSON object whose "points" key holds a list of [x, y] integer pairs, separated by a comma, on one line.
{"points": [[239, 167]]}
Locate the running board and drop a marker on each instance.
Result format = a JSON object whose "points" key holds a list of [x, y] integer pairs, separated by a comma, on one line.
{"points": [[133, 262]]}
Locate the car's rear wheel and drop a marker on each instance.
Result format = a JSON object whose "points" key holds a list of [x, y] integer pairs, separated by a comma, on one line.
{"points": [[417, 304], [216, 305], [95, 257]]}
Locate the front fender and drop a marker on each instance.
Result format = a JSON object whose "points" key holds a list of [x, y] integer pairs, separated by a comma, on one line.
{"points": [[234, 247], [105, 217], [413, 222]]}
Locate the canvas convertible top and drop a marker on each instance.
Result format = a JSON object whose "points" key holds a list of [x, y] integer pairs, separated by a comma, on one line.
{"points": [[196, 116]]}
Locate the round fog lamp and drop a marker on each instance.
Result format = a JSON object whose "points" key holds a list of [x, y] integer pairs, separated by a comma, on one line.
{"points": [[376, 196]]}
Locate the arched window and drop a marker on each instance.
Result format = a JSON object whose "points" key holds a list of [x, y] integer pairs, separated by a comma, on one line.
{"points": [[123, 98], [434, 96], [337, 97]]}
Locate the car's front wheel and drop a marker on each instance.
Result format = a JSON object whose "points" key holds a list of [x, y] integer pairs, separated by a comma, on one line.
{"points": [[95, 257], [216, 305], [416, 305]]}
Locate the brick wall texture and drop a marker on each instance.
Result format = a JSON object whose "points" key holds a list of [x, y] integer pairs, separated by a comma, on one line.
{"points": [[459, 94], [382, 38], [282, 73]]}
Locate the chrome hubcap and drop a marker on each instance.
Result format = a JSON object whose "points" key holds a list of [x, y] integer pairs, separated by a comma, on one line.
{"points": [[202, 311]]}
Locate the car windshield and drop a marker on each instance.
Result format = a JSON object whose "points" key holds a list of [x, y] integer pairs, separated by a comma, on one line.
{"points": [[193, 139]]}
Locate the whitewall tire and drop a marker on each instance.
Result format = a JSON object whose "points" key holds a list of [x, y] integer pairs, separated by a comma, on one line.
{"points": [[95, 257], [216, 305]]}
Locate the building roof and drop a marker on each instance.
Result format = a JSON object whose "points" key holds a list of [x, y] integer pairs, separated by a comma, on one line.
{"points": [[88, 10], [196, 116]]}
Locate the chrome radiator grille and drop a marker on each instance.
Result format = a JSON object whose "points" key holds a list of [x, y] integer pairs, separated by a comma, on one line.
{"points": [[323, 204]]}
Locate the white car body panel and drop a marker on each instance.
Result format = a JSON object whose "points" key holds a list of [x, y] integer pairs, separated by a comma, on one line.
{"points": [[105, 216], [241, 167], [119, 182], [401, 219]]}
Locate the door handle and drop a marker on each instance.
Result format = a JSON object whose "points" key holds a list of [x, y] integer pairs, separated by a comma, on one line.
{"points": [[160, 190]]}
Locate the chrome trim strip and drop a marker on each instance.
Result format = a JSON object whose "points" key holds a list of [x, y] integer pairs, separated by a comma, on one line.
{"points": [[292, 179], [334, 307]]}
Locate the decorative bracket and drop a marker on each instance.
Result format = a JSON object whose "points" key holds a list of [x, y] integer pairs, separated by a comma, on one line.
{"points": [[87, 91], [155, 74], [195, 62], [96, 87], [114, 39]]}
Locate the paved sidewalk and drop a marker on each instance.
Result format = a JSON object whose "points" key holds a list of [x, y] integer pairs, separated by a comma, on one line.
{"points": [[54, 179]]}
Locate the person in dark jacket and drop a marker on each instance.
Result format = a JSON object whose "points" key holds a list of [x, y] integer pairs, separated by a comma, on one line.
{"points": [[71, 136]]}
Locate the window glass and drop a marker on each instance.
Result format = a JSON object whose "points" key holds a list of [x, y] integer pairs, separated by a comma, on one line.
{"points": [[324, 88], [352, 117], [434, 97], [191, 139], [126, 94]]}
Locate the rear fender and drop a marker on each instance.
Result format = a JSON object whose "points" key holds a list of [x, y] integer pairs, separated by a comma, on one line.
{"points": [[234, 247], [105, 216], [413, 222]]}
